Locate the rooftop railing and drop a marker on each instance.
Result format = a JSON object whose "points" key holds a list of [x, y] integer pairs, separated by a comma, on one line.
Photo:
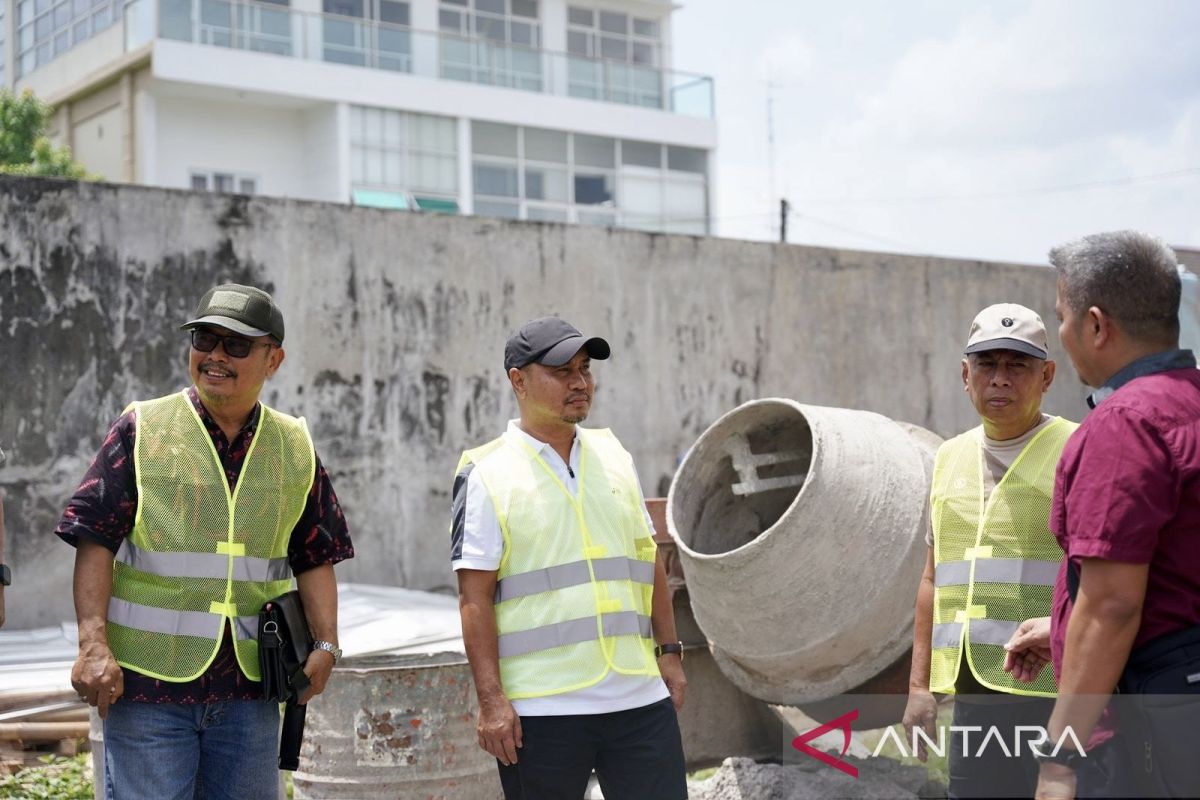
{"points": [[280, 30]]}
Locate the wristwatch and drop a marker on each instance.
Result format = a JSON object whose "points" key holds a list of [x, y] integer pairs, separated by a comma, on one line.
{"points": [[1071, 759], [670, 647], [329, 647], [5, 575]]}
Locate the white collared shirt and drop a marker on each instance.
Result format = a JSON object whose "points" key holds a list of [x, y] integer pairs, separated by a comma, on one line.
{"points": [[482, 547]]}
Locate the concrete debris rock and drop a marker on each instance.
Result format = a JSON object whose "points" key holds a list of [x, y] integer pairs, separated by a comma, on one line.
{"points": [[878, 779]]}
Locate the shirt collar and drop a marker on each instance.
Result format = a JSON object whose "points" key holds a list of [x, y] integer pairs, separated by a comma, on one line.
{"points": [[210, 424], [514, 427], [1146, 365]]}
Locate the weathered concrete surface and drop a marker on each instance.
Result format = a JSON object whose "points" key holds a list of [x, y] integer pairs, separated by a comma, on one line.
{"points": [[396, 324]]}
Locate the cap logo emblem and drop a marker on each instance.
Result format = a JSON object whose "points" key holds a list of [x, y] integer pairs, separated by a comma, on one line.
{"points": [[230, 300], [1007, 322]]}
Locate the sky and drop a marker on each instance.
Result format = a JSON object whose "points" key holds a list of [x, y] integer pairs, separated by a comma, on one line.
{"points": [[990, 130]]}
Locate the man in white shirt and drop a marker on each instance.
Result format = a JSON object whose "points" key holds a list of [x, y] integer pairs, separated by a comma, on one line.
{"points": [[566, 615]]}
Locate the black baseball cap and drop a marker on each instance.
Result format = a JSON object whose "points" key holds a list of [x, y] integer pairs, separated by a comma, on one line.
{"points": [[551, 341], [242, 309]]}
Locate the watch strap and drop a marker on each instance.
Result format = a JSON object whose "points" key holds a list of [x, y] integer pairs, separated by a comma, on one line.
{"points": [[328, 647], [670, 647], [5, 575], [1070, 759]]}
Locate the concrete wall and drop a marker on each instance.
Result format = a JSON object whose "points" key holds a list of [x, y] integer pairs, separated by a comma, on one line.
{"points": [[396, 324]]}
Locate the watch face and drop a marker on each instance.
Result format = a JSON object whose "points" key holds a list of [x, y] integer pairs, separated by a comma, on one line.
{"points": [[5, 575]]}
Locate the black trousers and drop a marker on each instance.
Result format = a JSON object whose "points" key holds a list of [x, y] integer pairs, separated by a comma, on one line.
{"points": [[636, 754], [993, 773]]}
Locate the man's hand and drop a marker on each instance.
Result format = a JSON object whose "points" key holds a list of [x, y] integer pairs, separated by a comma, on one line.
{"points": [[1028, 649], [317, 667], [1055, 782], [670, 666], [499, 728], [920, 712], [97, 677]]}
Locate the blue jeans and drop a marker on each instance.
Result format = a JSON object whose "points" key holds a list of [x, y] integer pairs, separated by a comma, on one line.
{"points": [[171, 751]]}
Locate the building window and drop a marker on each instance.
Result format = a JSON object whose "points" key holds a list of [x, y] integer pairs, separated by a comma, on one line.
{"points": [[491, 41], [538, 174], [403, 160], [225, 182], [368, 33], [593, 33], [47, 29], [614, 56]]}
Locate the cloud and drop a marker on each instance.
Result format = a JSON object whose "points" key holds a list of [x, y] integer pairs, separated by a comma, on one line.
{"points": [[967, 101]]}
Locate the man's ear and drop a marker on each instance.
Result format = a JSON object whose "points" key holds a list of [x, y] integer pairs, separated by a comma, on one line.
{"points": [[966, 373], [1099, 326], [275, 360], [517, 378], [1048, 371]]}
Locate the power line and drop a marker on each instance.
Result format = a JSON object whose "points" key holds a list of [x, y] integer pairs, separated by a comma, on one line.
{"points": [[796, 216], [806, 217], [1110, 183]]}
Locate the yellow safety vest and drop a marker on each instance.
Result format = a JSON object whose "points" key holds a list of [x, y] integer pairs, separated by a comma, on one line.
{"points": [[576, 579], [200, 554], [996, 559]]}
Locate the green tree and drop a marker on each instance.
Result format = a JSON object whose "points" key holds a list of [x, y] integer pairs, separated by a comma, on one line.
{"points": [[24, 146]]}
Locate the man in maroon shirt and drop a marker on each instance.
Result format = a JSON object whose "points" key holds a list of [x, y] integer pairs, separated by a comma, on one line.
{"points": [[1127, 496], [167, 736]]}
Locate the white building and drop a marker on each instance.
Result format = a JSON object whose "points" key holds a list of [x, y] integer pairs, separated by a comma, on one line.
{"points": [[534, 109]]}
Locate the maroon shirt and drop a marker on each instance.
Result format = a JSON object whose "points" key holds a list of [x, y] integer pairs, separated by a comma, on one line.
{"points": [[1128, 489], [103, 509]]}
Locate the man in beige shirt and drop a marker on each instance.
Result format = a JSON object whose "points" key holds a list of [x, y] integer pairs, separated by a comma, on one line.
{"points": [[992, 559]]}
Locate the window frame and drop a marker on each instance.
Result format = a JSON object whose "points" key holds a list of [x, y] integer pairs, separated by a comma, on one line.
{"points": [[237, 180], [595, 33], [603, 213], [404, 148]]}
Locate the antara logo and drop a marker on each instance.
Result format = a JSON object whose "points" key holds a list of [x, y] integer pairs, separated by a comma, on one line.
{"points": [[1030, 735], [842, 724]]}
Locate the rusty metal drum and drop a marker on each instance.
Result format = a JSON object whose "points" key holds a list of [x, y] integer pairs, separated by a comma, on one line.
{"points": [[396, 726]]}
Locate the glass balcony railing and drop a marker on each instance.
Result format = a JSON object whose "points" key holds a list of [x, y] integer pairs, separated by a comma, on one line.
{"points": [[279, 30]]}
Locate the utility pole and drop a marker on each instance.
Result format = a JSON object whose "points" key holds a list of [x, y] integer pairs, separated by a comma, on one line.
{"points": [[772, 191], [784, 208]]}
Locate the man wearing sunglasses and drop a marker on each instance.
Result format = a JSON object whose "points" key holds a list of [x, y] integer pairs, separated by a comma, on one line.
{"points": [[200, 506]]}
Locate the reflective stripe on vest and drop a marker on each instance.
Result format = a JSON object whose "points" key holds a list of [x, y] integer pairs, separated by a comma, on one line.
{"points": [[572, 631], [203, 565], [946, 634], [576, 578], [983, 631], [178, 623], [202, 551], [995, 559], [997, 570], [573, 574]]}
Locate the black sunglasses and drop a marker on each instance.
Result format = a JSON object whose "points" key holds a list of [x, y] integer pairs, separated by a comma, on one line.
{"points": [[235, 346]]}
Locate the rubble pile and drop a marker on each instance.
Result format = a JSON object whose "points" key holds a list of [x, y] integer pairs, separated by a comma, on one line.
{"points": [[878, 779]]}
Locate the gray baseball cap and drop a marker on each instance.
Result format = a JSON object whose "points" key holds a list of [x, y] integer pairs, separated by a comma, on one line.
{"points": [[1008, 326], [242, 309], [551, 341]]}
